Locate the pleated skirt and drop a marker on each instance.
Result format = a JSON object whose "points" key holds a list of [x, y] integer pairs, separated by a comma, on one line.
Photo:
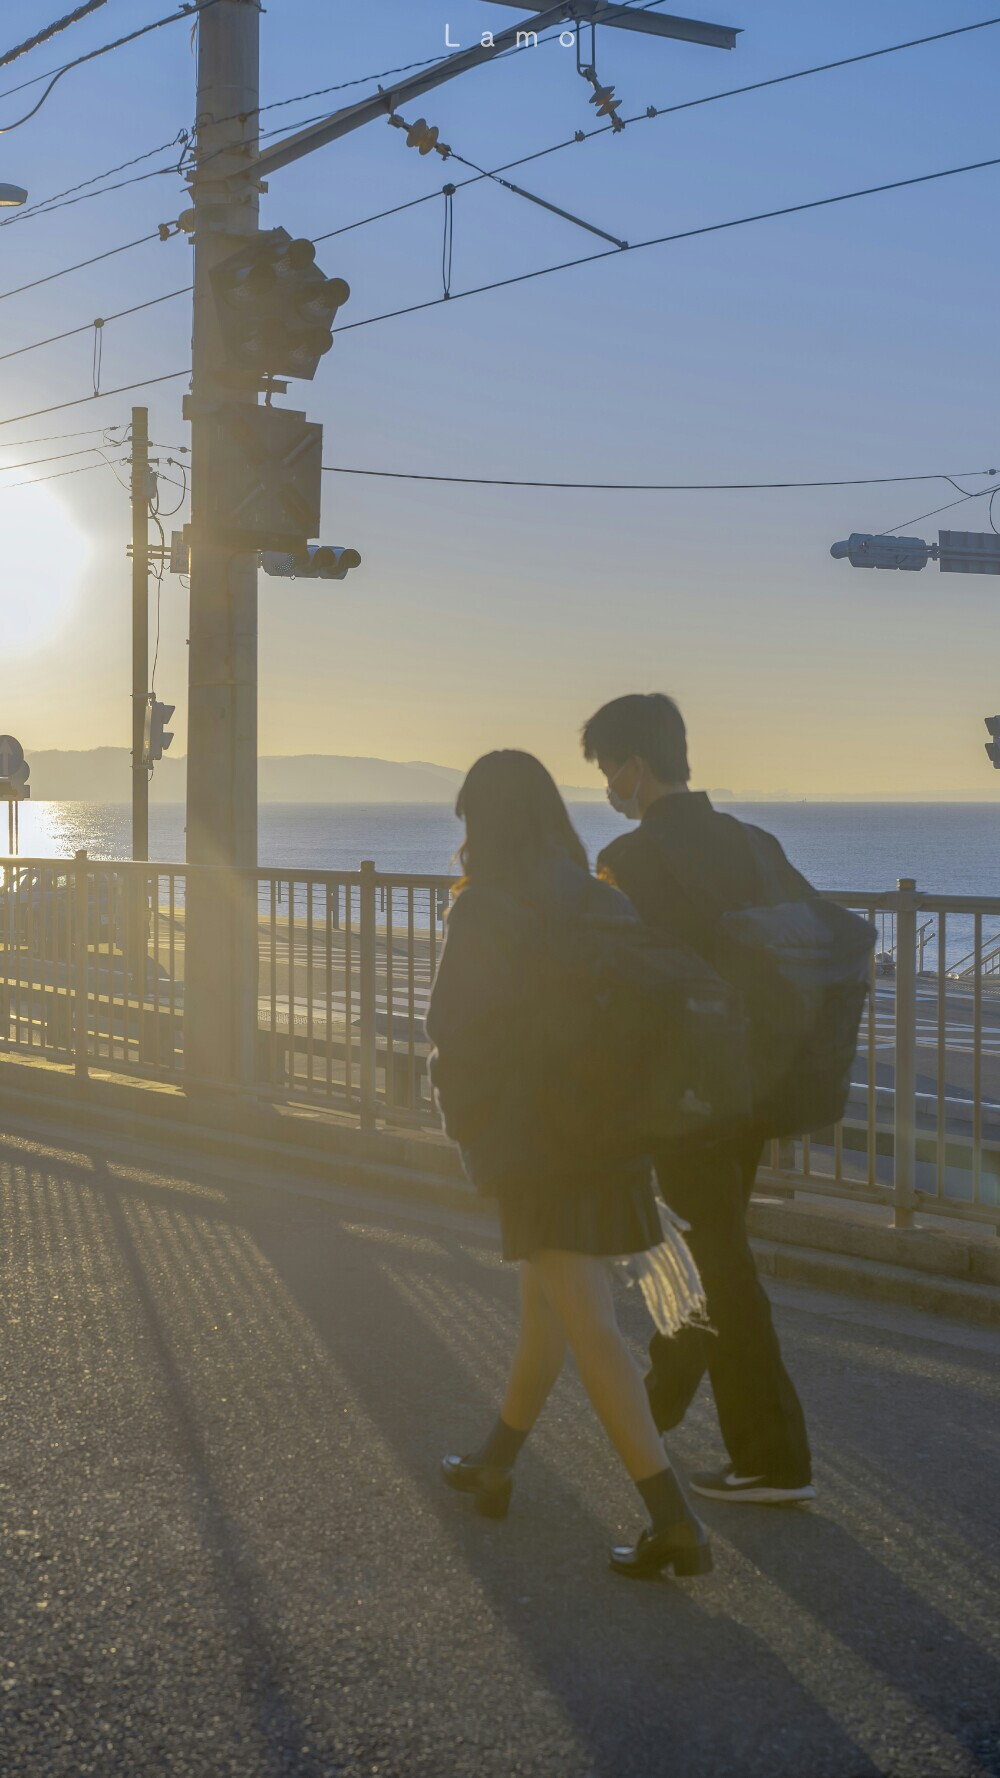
{"points": [[607, 1216]]}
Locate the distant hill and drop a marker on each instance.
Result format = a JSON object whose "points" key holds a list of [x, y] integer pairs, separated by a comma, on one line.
{"points": [[103, 775]]}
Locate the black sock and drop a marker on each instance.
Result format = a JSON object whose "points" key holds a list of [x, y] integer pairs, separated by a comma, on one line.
{"points": [[501, 1448], [663, 1499]]}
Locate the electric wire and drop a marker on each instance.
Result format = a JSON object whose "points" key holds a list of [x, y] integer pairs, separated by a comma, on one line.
{"points": [[57, 457], [489, 481], [686, 234], [185, 12], [657, 111], [562, 266], [56, 475], [50, 31], [976, 495], [41, 205], [23, 444], [81, 400], [49, 278], [84, 326]]}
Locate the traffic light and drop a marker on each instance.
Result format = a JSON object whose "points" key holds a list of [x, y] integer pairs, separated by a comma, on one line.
{"points": [[156, 737], [268, 469], [993, 747], [865, 551], [318, 561], [276, 307]]}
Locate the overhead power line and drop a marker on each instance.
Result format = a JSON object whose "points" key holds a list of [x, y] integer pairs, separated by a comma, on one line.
{"points": [[686, 234], [498, 283], [492, 481], [185, 12], [84, 469], [79, 266], [49, 31], [81, 400], [59, 457], [85, 326], [24, 444], [654, 112], [52, 202]]}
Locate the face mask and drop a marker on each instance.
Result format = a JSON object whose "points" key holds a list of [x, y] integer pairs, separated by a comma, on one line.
{"points": [[627, 806]]}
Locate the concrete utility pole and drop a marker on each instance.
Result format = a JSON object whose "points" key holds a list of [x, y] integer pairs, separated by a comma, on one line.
{"points": [[140, 628], [220, 988], [221, 969]]}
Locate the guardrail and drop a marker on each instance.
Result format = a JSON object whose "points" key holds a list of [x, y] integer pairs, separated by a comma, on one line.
{"points": [[92, 971]]}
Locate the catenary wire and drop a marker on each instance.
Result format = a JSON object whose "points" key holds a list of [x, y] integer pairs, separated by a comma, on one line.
{"points": [[657, 111], [84, 327], [562, 266], [81, 400], [523, 277], [685, 234], [126, 246]]}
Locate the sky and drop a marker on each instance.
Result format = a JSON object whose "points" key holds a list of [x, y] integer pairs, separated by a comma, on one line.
{"points": [[852, 341]]}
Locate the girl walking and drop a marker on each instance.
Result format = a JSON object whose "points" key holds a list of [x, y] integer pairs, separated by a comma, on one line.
{"points": [[563, 1213]]}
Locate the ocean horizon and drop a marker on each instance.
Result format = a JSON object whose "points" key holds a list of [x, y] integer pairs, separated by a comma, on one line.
{"points": [[949, 848]]}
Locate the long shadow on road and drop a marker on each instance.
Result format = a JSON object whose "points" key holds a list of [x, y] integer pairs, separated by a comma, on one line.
{"points": [[300, 1370]]}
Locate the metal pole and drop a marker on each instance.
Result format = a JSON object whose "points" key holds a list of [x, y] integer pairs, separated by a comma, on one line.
{"points": [[81, 995], [905, 1127], [221, 980], [140, 627], [367, 995]]}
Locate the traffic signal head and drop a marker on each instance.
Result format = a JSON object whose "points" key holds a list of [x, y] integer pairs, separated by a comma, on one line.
{"points": [[276, 307], [156, 736], [993, 746], [318, 561], [865, 551]]}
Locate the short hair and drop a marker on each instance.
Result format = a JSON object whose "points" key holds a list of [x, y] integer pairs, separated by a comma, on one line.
{"points": [[643, 725]]}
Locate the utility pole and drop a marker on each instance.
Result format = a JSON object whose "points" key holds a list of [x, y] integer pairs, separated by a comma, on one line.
{"points": [[221, 969], [140, 628], [220, 988]]}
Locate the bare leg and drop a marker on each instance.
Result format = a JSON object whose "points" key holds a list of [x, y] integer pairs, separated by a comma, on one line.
{"points": [[541, 1349], [578, 1288]]}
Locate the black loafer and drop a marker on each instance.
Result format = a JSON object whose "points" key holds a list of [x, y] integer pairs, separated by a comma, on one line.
{"points": [[684, 1548], [490, 1487]]}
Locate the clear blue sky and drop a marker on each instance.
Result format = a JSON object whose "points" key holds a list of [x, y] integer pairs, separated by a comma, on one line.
{"points": [[858, 340]]}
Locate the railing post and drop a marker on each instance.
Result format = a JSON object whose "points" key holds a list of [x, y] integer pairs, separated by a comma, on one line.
{"points": [[367, 995], [905, 1125], [81, 987]]}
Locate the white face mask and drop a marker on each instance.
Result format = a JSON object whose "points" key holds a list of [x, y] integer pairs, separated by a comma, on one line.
{"points": [[627, 806]]}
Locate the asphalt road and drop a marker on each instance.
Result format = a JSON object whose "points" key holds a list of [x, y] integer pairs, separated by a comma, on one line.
{"points": [[224, 1550]]}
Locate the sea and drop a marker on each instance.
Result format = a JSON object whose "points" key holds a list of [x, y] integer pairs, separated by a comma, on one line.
{"points": [[949, 848]]}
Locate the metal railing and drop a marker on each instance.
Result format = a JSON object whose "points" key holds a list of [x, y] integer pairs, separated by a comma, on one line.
{"points": [[92, 973]]}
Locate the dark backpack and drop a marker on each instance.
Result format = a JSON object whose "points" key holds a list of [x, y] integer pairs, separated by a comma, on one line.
{"points": [[802, 965], [633, 1044]]}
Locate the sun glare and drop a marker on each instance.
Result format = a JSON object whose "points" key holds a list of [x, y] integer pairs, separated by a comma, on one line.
{"points": [[44, 555]]}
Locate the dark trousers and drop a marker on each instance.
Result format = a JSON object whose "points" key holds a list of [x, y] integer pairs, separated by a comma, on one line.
{"points": [[759, 1412]]}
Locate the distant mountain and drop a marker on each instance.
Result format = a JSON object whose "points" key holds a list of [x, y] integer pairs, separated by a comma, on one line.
{"points": [[103, 775]]}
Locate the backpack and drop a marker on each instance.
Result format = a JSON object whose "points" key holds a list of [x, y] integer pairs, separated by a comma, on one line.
{"points": [[802, 965], [633, 1043]]}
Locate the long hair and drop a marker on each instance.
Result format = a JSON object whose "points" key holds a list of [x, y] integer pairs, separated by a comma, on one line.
{"points": [[513, 816]]}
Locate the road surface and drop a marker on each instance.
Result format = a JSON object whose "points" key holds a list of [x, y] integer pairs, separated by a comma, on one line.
{"points": [[225, 1550]]}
